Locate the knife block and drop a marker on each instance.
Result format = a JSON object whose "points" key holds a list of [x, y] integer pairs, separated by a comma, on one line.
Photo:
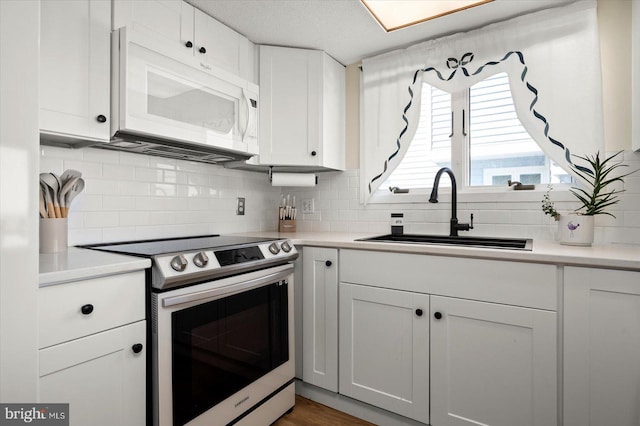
{"points": [[287, 226]]}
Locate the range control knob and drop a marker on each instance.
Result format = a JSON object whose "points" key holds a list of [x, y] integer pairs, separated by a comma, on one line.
{"points": [[179, 263], [273, 248], [286, 247], [200, 259]]}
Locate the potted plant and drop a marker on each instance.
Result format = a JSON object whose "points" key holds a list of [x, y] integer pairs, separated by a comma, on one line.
{"points": [[595, 197]]}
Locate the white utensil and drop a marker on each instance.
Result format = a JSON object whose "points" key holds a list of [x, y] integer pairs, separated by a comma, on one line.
{"points": [[68, 185], [46, 190], [52, 181], [77, 188], [66, 176], [43, 209]]}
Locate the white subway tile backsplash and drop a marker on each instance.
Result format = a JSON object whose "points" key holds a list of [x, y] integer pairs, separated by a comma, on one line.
{"points": [[134, 159], [135, 218], [132, 196], [118, 203], [101, 219], [102, 156], [506, 218], [100, 186], [117, 172], [88, 169]]}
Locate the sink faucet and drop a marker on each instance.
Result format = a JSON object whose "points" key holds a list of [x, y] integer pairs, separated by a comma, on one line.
{"points": [[454, 225]]}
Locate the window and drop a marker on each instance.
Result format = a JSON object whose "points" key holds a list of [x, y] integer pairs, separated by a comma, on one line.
{"points": [[487, 150]]}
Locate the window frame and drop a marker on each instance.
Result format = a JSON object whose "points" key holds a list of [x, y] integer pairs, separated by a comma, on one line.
{"points": [[460, 165]]}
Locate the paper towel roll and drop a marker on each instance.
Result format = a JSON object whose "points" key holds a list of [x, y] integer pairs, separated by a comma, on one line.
{"points": [[293, 179]]}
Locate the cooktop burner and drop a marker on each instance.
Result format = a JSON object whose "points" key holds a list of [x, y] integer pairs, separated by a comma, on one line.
{"points": [[189, 260]]}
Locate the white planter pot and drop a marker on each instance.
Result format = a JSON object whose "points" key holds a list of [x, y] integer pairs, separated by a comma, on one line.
{"points": [[575, 230]]}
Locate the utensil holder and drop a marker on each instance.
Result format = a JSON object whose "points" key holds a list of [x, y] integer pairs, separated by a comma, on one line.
{"points": [[287, 226], [53, 235]]}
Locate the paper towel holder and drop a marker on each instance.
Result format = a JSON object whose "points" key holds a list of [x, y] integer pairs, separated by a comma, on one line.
{"points": [[270, 173]]}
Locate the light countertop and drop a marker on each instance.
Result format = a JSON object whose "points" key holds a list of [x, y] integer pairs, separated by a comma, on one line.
{"points": [[79, 264], [616, 256]]}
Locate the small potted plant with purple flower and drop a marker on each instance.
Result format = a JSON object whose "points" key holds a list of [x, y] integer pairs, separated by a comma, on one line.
{"points": [[595, 196]]}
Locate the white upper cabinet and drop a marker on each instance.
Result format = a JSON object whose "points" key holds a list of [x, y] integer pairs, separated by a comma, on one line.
{"points": [[302, 108], [191, 32], [75, 69]]}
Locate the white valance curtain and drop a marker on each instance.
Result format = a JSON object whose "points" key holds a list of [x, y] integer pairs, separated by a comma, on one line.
{"points": [[552, 59]]}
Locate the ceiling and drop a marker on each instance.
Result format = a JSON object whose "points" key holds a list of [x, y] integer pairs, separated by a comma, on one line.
{"points": [[344, 28]]}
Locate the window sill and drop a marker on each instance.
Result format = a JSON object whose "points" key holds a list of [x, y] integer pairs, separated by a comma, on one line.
{"points": [[560, 193]]}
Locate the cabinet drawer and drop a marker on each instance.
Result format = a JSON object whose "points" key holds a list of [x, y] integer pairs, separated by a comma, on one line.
{"points": [[512, 283], [107, 302]]}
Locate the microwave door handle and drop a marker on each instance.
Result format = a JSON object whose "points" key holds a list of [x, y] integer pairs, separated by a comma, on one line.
{"points": [[247, 103]]}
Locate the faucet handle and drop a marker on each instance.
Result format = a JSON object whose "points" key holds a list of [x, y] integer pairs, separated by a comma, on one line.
{"points": [[471, 224]]}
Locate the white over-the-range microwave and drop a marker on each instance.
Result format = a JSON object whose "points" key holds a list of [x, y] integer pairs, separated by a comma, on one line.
{"points": [[165, 102]]}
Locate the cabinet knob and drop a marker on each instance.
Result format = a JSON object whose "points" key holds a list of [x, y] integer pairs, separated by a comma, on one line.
{"points": [[437, 315], [101, 119], [313, 153], [189, 44], [419, 312], [202, 50], [86, 309], [328, 263], [137, 348]]}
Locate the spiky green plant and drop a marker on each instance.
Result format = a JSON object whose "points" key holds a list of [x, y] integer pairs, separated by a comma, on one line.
{"points": [[595, 197]]}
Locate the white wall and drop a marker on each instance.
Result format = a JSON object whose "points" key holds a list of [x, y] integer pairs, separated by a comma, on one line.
{"points": [[19, 39], [133, 196]]}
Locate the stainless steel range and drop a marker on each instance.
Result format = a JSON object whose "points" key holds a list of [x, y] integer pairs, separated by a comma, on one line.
{"points": [[221, 328]]}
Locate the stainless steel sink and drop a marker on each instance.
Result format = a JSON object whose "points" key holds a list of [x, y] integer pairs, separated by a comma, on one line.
{"points": [[485, 242]]}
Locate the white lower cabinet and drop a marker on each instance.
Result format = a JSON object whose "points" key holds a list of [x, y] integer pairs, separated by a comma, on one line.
{"points": [[492, 364], [320, 317], [601, 347], [92, 339], [101, 377], [384, 349], [439, 340]]}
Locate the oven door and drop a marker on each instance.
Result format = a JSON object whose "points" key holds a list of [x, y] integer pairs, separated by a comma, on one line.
{"points": [[222, 347], [161, 93]]}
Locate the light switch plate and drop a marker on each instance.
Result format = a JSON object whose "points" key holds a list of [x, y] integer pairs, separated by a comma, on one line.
{"points": [[307, 206], [240, 207]]}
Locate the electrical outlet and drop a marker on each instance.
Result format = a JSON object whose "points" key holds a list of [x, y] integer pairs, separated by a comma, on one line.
{"points": [[240, 207], [307, 206]]}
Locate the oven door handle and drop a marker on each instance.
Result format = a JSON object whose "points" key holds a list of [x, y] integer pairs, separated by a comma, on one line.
{"points": [[233, 288]]}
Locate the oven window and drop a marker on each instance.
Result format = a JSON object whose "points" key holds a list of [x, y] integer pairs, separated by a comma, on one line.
{"points": [[222, 346]]}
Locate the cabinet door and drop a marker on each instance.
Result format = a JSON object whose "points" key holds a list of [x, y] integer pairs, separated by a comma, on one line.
{"points": [[101, 376], [220, 44], [492, 364], [290, 109], [601, 347], [171, 20], [320, 317], [75, 68], [384, 349]]}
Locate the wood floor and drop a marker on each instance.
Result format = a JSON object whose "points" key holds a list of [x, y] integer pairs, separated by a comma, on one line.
{"points": [[310, 413]]}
